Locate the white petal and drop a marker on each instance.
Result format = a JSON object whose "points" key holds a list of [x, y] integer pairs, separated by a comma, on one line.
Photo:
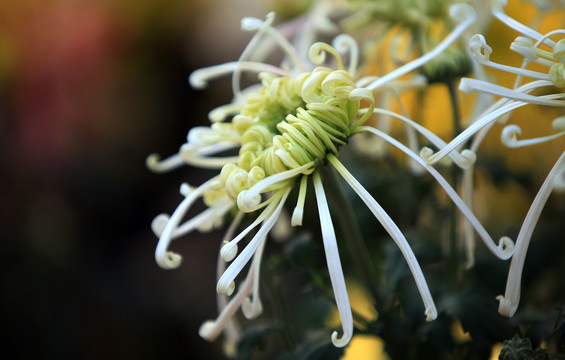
{"points": [[298, 212], [480, 52], [229, 250], [505, 246], [252, 307], [237, 265], [395, 233], [198, 79], [464, 11], [468, 85], [431, 158], [210, 330], [509, 302], [509, 137], [498, 11], [168, 259], [248, 200], [334, 265], [461, 160], [155, 164], [344, 42]]}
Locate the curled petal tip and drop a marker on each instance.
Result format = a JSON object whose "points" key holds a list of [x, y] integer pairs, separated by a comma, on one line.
{"points": [[317, 54], [465, 86], [506, 246], [461, 12], [186, 189], [343, 42], [247, 203], [431, 313], [342, 341], [217, 115], [509, 135], [469, 157], [152, 162], [228, 252], [479, 48], [157, 165], [361, 94], [168, 260], [524, 46], [426, 153], [559, 124], [207, 330], [158, 224], [196, 80], [505, 306], [225, 289], [251, 309]]}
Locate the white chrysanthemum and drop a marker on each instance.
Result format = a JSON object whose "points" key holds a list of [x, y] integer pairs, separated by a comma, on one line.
{"points": [[414, 27], [553, 79], [285, 128], [548, 52]]}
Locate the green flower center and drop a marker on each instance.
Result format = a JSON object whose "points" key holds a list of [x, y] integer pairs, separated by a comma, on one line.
{"points": [[290, 122]]}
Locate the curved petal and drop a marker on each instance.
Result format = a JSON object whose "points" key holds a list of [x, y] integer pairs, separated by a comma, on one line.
{"points": [[334, 265]]}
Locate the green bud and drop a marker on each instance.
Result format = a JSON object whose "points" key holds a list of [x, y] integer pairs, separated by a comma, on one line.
{"points": [[449, 65]]}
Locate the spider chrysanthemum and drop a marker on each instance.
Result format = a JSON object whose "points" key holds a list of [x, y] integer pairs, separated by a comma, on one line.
{"points": [[284, 129], [541, 84]]}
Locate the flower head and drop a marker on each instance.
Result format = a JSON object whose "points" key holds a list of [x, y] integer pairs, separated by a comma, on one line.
{"points": [[548, 53], [285, 128], [529, 45]]}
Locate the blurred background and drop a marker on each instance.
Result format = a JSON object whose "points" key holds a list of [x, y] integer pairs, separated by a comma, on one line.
{"points": [[88, 89]]}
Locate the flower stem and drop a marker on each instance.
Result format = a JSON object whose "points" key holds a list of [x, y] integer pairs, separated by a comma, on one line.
{"points": [[350, 227], [453, 256], [452, 88]]}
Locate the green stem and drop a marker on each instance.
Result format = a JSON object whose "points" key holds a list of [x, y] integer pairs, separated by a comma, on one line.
{"points": [[350, 227], [453, 262], [452, 88]]}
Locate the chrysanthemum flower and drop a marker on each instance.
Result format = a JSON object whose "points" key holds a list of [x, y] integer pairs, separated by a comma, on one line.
{"points": [[529, 46], [548, 52], [285, 128], [402, 31]]}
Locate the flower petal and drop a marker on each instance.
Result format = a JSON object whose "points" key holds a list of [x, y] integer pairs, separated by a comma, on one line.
{"points": [[334, 265]]}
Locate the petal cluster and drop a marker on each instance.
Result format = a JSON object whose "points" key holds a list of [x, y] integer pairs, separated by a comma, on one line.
{"points": [[272, 142]]}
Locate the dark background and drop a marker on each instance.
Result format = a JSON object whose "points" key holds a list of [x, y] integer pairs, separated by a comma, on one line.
{"points": [[88, 89]]}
